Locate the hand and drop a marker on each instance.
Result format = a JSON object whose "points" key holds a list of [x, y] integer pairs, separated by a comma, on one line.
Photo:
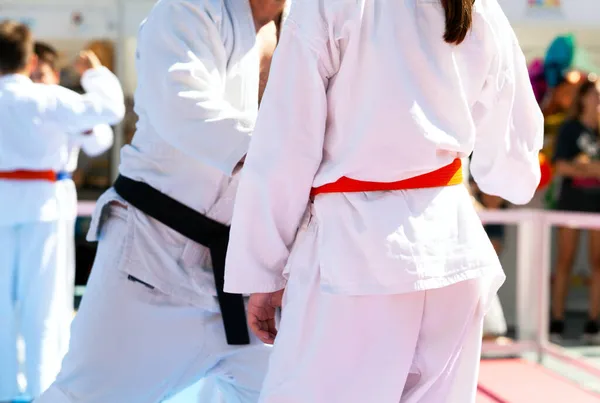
{"points": [[583, 159], [85, 61], [594, 169], [261, 315]]}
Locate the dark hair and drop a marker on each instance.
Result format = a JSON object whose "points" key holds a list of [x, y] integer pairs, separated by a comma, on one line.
{"points": [[46, 54], [577, 105], [459, 16], [16, 46]]}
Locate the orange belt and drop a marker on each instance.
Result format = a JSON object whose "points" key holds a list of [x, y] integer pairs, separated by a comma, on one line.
{"points": [[446, 176], [21, 175]]}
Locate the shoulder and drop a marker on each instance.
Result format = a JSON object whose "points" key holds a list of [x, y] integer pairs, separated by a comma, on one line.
{"points": [[38, 97], [173, 24], [189, 6], [43, 92], [492, 10], [177, 14], [495, 28], [322, 16]]}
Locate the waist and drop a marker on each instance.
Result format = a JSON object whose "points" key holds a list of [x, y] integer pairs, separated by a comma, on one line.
{"points": [[170, 212], [27, 175], [172, 175], [448, 175]]}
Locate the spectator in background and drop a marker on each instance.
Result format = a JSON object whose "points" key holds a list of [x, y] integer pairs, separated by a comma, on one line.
{"points": [[576, 157]]}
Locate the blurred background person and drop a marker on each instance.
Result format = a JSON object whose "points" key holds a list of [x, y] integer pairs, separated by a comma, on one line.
{"points": [[93, 143], [576, 155], [34, 120]]}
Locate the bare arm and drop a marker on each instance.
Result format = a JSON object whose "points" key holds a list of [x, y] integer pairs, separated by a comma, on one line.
{"points": [[577, 169]]}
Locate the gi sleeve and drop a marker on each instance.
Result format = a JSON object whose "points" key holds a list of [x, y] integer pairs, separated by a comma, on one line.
{"points": [[279, 170], [97, 141], [103, 102], [184, 66], [509, 129]]}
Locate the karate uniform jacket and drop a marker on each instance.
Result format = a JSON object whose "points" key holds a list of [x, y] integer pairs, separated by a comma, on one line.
{"points": [[34, 122], [369, 90]]}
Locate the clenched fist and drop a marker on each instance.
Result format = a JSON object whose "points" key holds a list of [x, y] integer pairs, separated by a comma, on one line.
{"points": [[85, 61]]}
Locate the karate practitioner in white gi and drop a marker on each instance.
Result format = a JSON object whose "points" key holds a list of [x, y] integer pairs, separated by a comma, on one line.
{"points": [[93, 143], [34, 122], [150, 323], [387, 270]]}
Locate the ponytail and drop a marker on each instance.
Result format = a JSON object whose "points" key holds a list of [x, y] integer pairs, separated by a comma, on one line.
{"points": [[459, 16]]}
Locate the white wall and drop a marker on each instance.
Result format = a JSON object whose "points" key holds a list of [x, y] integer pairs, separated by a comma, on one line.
{"points": [[54, 21]]}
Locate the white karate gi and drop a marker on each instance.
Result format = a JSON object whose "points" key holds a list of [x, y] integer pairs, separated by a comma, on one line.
{"points": [[494, 322], [33, 121], [385, 291], [92, 144], [197, 100]]}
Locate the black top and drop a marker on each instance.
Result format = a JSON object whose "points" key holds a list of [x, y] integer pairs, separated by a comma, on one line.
{"points": [[574, 140]]}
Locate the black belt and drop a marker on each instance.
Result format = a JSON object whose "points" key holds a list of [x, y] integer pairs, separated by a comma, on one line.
{"points": [[198, 228]]}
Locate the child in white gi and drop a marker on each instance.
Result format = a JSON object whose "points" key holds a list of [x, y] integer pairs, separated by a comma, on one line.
{"points": [[359, 212], [34, 122], [93, 143]]}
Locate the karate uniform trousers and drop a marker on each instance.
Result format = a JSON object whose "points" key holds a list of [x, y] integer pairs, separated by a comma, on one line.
{"points": [[31, 286], [421, 346], [34, 288], [134, 343]]}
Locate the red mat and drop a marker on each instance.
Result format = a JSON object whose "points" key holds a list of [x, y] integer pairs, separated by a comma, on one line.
{"points": [[483, 398], [519, 381]]}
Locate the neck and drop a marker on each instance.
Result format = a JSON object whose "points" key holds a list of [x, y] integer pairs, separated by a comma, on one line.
{"points": [[261, 21], [266, 11]]}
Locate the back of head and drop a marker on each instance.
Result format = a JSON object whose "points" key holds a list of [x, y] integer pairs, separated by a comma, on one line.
{"points": [[46, 54], [46, 70], [459, 17], [16, 47]]}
